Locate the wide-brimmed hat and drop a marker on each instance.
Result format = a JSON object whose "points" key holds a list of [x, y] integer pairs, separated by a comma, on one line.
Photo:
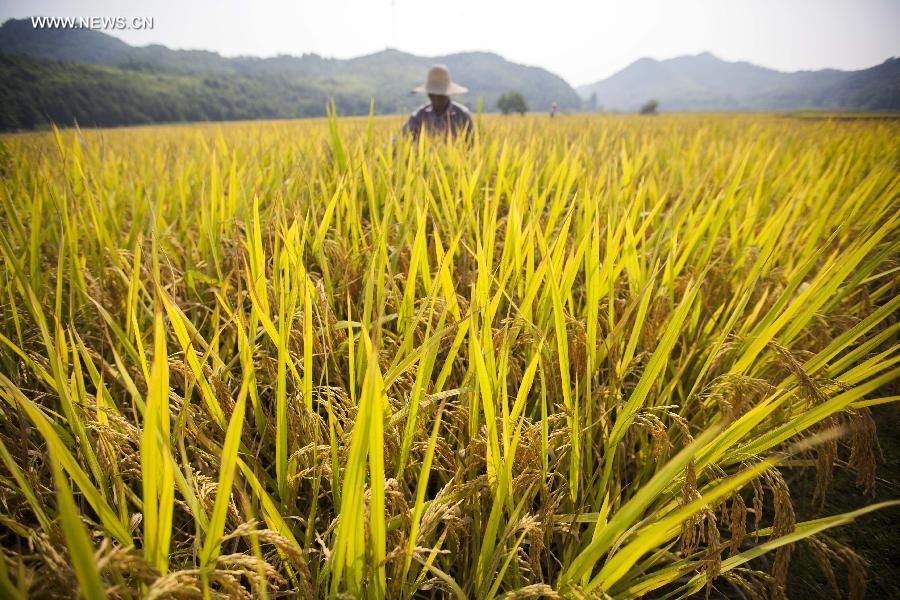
{"points": [[439, 82]]}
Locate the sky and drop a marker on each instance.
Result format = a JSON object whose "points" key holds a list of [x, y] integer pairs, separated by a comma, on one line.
{"points": [[582, 41]]}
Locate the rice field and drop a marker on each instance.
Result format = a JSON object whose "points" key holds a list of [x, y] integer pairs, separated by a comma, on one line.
{"points": [[575, 358]]}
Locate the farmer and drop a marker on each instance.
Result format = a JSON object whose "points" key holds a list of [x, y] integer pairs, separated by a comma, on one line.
{"points": [[440, 115]]}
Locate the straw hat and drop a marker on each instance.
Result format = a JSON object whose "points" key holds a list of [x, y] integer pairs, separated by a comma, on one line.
{"points": [[439, 82]]}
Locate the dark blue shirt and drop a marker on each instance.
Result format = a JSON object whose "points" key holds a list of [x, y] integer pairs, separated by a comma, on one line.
{"points": [[455, 119]]}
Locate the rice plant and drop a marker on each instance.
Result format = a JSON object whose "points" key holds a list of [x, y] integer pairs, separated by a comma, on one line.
{"points": [[572, 358]]}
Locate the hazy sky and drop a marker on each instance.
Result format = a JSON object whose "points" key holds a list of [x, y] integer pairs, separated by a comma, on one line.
{"points": [[581, 41]]}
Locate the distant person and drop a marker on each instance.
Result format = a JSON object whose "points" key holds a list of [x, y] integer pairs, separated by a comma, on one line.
{"points": [[440, 116], [553, 109]]}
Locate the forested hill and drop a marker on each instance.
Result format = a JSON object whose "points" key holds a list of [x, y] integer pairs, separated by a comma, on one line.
{"points": [[68, 74], [706, 82]]}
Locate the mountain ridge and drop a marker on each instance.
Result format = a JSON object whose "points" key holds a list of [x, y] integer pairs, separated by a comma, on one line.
{"points": [[387, 75], [706, 82], [69, 75]]}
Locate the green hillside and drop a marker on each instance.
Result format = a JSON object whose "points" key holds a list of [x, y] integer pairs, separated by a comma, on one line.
{"points": [[96, 79]]}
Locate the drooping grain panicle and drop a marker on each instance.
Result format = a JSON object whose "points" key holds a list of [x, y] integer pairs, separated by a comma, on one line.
{"points": [[567, 358]]}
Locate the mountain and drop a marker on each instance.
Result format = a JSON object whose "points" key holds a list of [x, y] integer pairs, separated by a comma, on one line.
{"points": [[84, 75], [68, 75], [705, 82]]}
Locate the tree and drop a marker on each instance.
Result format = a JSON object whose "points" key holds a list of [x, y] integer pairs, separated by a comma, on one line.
{"points": [[649, 107], [512, 102]]}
